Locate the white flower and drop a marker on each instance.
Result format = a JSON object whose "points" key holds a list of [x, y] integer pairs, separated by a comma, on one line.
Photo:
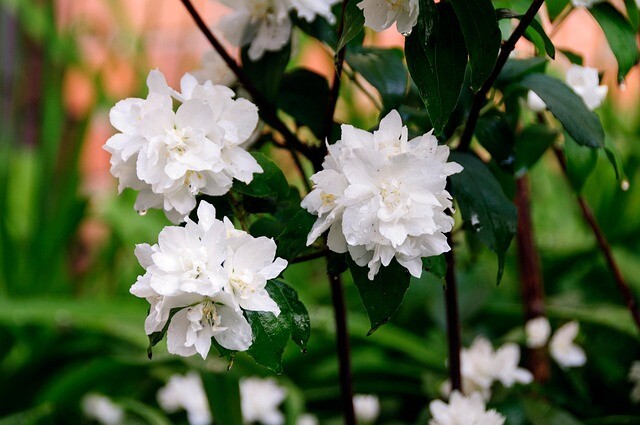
{"points": [[562, 348], [260, 399], [381, 14], [367, 407], [170, 157], [634, 377], [538, 331], [382, 196], [210, 272], [463, 410], [534, 102], [265, 24], [186, 392], [102, 409], [307, 419], [586, 83], [214, 69], [585, 3]]}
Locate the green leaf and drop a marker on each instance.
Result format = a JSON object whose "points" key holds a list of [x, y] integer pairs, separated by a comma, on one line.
{"points": [[516, 69], [271, 183], [481, 35], [633, 13], [484, 206], [270, 336], [495, 135], [383, 295], [534, 32], [292, 241], [437, 57], [151, 415], [581, 123], [620, 34], [555, 8], [353, 24], [616, 162], [531, 144], [581, 161], [303, 95], [266, 73], [156, 337], [549, 48], [436, 265], [287, 299], [384, 69], [541, 413], [223, 393], [31, 416], [573, 57]]}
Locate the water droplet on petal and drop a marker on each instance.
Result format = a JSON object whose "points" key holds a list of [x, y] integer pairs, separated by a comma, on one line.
{"points": [[624, 185], [142, 212], [623, 85], [406, 33]]}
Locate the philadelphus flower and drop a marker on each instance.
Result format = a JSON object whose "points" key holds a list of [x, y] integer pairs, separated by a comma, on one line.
{"points": [[383, 196], [562, 348], [212, 272], [265, 24], [102, 409], [171, 156], [186, 392], [214, 69], [463, 410], [534, 102], [260, 399], [537, 331], [634, 377], [381, 14], [481, 366], [366, 407], [307, 419]]}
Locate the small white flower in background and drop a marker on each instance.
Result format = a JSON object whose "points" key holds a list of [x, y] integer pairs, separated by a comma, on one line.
{"points": [[537, 331], [585, 3], [481, 366], [586, 82], [307, 419], [211, 272], [381, 14], [463, 410], [367, 407], [265, 24], [170, 157], [534, 102], [634, 377], [382, 196], [260, 399], [102, 409], [186, 392], [562, 348], [214, 69]]}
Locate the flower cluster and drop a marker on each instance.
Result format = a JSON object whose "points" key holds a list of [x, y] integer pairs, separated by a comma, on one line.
{"points": [[265, 25], [561, 347], [584, 81], [102, 409], [366, 408], [463, 410], [481, 366], [259, 400], [172, 156], [186, 392], [204, 275], [634, 378], [382, 196], [381, 14]]}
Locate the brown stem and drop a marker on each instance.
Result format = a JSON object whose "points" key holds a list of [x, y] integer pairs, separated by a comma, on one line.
{"points": [[530, 276], [604, 246], [507, 48], [344, 355], [453, 319]]}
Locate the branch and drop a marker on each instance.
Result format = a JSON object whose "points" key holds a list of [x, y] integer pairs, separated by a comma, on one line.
{"points": [[604, 246], [507, 48], [266, 109], [453, 319]]}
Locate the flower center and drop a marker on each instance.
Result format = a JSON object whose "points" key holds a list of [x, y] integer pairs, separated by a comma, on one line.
{"points": [[328, 199], [391, 194], [210, 314], [241, 284]]}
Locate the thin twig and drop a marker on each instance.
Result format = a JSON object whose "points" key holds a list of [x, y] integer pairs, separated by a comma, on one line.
{"points": [[264, 106], [453, 319], [354, 78], [311, 256], [507, 48], [605, 247]]}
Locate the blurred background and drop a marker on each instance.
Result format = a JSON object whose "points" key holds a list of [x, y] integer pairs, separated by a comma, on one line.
{"points": [[68, 325]]}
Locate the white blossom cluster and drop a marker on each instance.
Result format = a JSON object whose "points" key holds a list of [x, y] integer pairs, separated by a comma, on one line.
{"points": [[481, 366], [584, 81], [205, 275], [186, 392], [366, 408], [265, 25], [463, 410], [170, 156], [634, 378], [381, 14], [382, 196], [561, 347], [102, 409], [259, 400]]}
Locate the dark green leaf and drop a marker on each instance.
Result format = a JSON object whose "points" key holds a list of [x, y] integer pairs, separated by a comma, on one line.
{"points": [[531, 144], [549, 48], [616, 162], [484, 206], [481, 35], [287, 299], [292, 241], [516, 69], [384, 69], [156, 337], [581, 160], [271, 183], [353, 24], [223, 393], [555, 8], [581, 123], [437, 57], [633, 13], [383, 295], [620, 35], [266, 226], [495, 135], [573, 57], [266, 73], [541, 413], [436, 265], [270, 336], [303, 95]]}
